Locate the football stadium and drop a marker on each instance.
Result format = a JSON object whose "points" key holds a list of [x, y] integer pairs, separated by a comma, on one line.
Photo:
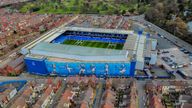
{"points": [[69, 51]]}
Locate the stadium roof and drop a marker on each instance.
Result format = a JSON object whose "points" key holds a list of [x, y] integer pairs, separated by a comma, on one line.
{"points": [[52, 34], [100, 30], [131, 42], [79, 52]]}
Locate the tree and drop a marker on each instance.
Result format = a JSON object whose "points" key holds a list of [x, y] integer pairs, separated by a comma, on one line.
{"points": [[181, 27], [104, 7], [123, 12], [171, 7], [154, 14], [177, 26], [76, 2]]}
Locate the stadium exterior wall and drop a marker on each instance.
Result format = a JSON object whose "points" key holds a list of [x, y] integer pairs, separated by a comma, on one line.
{"points": [[132, 68], [100, 69], [36, 66]]}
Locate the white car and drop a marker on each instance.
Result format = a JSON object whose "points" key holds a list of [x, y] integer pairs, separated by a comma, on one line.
{"points": [[180, 66], [149, 25], [173, 67]]}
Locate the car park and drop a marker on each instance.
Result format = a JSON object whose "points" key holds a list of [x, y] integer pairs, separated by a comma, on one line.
{"points": [[177, 58]]}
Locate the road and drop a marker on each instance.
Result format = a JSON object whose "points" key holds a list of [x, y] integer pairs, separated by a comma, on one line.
{"points": [[119, 23], [57, 96], [164, 33], [6, 78], [99, 92], [19, 93], [141, 93], [23, 76]]}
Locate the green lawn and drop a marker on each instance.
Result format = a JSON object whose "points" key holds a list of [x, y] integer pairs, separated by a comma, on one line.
{"points": [[95, 44], [80, 7]]}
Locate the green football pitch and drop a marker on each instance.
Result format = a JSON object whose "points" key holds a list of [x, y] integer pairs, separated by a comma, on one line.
{"points": [[95, 44]]}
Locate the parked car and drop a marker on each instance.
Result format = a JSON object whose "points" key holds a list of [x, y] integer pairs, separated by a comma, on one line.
{"points": [[182, 49], [172, 56], [165, 52], [185, 65], [186, 52], [172, 66], [190, 54], [180, 66]]}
